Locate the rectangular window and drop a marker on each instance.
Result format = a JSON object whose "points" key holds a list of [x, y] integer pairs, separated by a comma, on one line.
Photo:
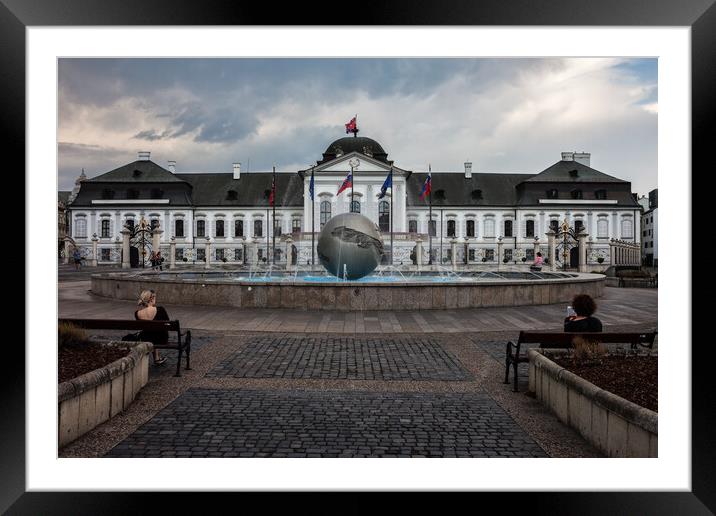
{"points": [[489, 255], [554, 225], [238, 254], [530, 255], [105, 255], [81, 228], [201, 255], [600, 194], [412, 226], [490, 228], [296, 226], [470, 228], [602, 228], [238, 228], [130, 224], [433, 227], [451, 228], [508, 228], [154, 224], [219, 228], [530, 229], [578, 225], [201, 228], [277, 228], [179, 228], [261, 254], [219, 255], [508, 255], [105, 229], [471, 255], [179, 254], [258, 228]]}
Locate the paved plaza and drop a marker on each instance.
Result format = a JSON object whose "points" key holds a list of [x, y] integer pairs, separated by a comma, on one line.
{"points": [[283, 383]]}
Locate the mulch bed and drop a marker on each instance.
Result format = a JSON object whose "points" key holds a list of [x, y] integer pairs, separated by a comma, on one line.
{"points": [[77, 360], [633, 378]]}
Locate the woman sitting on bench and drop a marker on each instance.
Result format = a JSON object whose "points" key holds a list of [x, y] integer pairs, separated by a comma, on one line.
{"points": [[582, 321], [149, 311]]}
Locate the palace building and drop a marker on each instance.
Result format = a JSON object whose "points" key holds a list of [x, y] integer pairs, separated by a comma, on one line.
{"points": [[479, 219]]}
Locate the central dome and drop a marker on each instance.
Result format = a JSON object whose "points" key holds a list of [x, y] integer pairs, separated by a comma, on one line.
{"points": [[360, 144]]}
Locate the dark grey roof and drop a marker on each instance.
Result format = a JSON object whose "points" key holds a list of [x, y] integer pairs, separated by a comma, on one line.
{"points": [[562, 172], [212, 189], [63, 196], [146, 172], [359, 144], [495, 189]]}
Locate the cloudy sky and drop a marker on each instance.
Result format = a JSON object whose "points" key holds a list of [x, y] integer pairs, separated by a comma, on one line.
{"points": [[504, 115]]}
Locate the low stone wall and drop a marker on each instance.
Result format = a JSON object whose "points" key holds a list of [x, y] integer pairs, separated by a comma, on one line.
{"points": [[350, 296], [91, 399], [616, 426]]}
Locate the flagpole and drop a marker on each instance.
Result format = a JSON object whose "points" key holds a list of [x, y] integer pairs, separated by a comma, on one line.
{"points": [[392, 198], [350, 210], [273, 222], [430, 218], [313, 223], [441, 237]]}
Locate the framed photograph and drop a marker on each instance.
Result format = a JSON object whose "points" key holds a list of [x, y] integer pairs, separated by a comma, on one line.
{"points": [[88, 86]]}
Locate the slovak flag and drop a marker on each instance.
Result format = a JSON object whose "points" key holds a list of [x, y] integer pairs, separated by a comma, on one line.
{"points": [[427, 185], [352, 127], [347, 182]]}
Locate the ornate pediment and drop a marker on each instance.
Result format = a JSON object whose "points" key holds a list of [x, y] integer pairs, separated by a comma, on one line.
{"points": [[365, 164]]}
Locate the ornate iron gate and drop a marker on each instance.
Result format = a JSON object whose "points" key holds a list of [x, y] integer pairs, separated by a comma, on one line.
{"points": [[140, 239]]}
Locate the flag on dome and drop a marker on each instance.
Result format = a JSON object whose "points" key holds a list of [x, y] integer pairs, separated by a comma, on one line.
{"points": [[352, 126], [347, 182], [387, 184], [427, 185]]}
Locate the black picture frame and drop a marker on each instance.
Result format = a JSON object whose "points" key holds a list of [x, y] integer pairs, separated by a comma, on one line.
{"points": [[17, 15]]}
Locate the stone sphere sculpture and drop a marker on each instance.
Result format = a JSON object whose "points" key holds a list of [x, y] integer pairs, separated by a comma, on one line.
{"points": [[350, 246]]}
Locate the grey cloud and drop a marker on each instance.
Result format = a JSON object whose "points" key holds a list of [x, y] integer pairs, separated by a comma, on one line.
{"points": [[152, 135]]}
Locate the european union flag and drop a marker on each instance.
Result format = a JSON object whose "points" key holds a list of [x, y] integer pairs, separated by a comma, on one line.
{"points": [[311, 186], [388, 183]]}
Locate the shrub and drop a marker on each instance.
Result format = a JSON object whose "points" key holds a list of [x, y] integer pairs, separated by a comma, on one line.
{"points": [[585, 349], [70, 335]]}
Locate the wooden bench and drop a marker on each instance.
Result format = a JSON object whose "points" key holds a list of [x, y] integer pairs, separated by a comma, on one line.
{"points": [[564, 340], [182, 344]]}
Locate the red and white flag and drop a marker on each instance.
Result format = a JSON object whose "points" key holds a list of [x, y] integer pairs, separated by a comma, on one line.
{"points": [[352, 126], [347, 183]]}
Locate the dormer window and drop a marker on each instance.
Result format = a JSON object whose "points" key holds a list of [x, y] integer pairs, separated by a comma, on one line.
{"points": [[576, 194], [157, 193], [477, 195], [132, 193], [600, 194], [574, 173], [552, 194], [440, 194], [107, 193], [368, 151], [136, 173], [232, 195]]}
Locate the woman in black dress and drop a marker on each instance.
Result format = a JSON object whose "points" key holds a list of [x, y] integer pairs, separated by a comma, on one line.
{"points": [[149, 311], [584, 306]]}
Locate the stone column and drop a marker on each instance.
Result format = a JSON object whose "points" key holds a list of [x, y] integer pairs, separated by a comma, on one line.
{"points": [[93, 261], [156, 238], [67, 250], [453, 253], [207, 253], [244, 259], [419, 252], [499, 253], [125, 248], [552, 250], [536, 246], [582, 238], [289, 249], [611, 252], [172, 252]]}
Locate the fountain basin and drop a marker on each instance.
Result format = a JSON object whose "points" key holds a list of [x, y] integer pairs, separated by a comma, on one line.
{"points": [[368, 293]]}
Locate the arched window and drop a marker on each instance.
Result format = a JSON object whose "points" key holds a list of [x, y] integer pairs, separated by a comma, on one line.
{"points": [[451, 228], [412, 226], [219, 228], [355, 207], [105, 229], [325, 212], [530, 229], [179, 228], [80, 228], [490, 228], [384, 216], [238, 228], [602, 228], [200, 228], [258, 227], [627, 228], [470, 228]]}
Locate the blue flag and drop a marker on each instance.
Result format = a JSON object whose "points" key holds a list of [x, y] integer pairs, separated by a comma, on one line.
{"points": [[311, 186], [388, 183]]}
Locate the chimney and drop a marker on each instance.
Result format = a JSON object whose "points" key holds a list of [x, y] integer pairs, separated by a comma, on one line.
{"points": [[172, 166], [237, 170], [582, 157], [568, 156], [143, 156], [468, 169]]}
